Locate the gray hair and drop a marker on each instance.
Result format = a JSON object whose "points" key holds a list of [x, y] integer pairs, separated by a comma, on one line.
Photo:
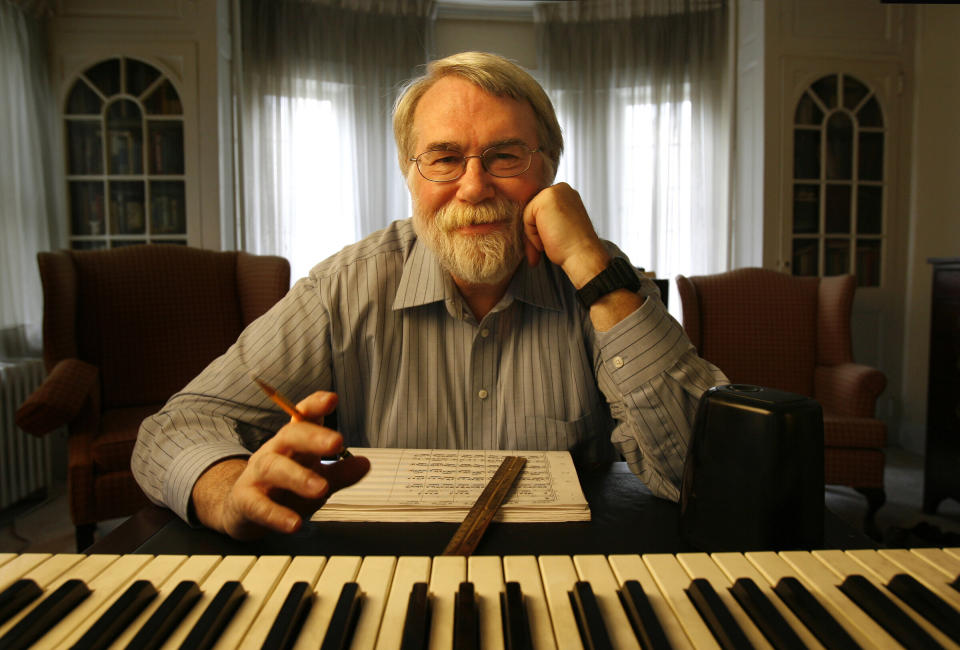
{"points": [[497, 76]]}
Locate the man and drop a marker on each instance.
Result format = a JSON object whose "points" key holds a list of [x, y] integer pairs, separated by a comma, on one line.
{"points": [[460, 328]]}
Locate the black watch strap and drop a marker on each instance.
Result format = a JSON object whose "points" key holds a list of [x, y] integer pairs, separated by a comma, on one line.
{"points": [[618, 275]]}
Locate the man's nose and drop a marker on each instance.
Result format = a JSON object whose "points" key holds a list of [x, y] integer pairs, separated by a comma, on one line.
{"points": [[476, 184]]}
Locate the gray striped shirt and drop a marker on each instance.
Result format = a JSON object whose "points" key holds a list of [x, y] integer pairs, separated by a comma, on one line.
{"points": [[383, 325]]}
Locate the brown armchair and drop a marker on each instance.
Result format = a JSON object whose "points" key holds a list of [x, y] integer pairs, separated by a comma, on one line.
{"points": [[124, 329], [793, 333]]}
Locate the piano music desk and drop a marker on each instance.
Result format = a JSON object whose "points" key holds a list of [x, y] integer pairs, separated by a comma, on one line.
{"points": [[626, 518]]}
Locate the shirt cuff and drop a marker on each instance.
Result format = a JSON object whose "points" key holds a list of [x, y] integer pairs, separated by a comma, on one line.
{"points": [[187, 467], [643, 345]]}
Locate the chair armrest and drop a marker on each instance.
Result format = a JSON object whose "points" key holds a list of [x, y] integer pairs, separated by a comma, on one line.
{"points": [[60, 398], [848, 389]]}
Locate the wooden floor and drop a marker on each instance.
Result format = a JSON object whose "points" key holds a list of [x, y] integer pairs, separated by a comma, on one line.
{"points": [[46, 527]]}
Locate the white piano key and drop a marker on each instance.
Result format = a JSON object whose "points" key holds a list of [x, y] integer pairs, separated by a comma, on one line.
{"points": [[305, 568], [157, 570], [596, 570], [409, 570], [232, 567], [191, 567], [17, 567], [672, 580], [337, 571], [55, 571], [259, 583], [524, 570], [947, 561], [446, 574], [701, 565], [631, 567], [736, 566], [103, 586], [934, 579], [824, 583], [6, 557], [559, 575], [878, 570], [486, 574], [374, 578]]}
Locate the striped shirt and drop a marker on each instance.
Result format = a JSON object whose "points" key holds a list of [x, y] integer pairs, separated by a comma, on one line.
{"points": [[383, 325]]}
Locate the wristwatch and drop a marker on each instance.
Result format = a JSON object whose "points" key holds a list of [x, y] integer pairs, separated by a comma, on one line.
{"points": [[618, 275]]}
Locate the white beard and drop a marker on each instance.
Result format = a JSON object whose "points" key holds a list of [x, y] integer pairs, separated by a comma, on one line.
{"points": [[476, 259]]}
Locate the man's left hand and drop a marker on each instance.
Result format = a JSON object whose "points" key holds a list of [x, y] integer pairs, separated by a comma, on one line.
{"points": [[556, 222]]}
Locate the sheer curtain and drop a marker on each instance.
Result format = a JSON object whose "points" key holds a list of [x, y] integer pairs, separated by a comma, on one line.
{"points": [[643, 92], [31, 212], [318, 166]]}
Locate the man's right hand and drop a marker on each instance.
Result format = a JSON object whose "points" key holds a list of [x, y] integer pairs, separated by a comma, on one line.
{"points": [[283, 482]]}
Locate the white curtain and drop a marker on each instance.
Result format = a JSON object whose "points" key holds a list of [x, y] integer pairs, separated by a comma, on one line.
{"points": [[318, 166], [31, 208], [643, 92]]}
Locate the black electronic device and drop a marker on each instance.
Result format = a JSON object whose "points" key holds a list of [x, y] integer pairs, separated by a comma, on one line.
{"points": [[753, 477]]}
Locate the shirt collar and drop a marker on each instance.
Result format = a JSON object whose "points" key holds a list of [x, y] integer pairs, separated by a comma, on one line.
{"points": [[425, 281]]}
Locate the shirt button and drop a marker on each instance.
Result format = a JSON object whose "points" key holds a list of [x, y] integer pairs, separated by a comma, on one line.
{"points": [[483, 394], [618, 362], [484, 332]]}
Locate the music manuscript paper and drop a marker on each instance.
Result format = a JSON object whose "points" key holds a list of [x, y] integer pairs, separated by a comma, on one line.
{"points": [[442, 485]]}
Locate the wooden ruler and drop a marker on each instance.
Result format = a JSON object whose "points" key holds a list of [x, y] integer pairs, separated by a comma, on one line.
{"points": [[468, 534]]}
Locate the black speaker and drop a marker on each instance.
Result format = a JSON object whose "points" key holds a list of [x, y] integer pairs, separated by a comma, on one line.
{"points": [[753, 477]]}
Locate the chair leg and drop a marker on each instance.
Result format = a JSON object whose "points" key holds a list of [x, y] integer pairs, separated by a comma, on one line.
{"points": [[876, 497], [85, 536]]}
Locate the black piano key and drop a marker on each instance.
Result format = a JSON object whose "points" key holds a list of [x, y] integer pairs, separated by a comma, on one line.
{"points": [[215, 617], [593, 631], [17, 596], [344, 619], [466, 619], [516, 627], [45, 615], [756, 604], [167, 617], [885, 612], [956, 583], [644, 620], [716, 615], [126, 608], [817, 619], [416, 624], [290, 619], [926, 603]]}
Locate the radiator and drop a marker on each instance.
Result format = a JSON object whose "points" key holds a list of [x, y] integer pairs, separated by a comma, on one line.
{"points": [[24, 459]]}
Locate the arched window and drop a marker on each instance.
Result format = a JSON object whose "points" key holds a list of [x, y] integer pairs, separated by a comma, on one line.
{"points": [[125, 156], [838, 183]]}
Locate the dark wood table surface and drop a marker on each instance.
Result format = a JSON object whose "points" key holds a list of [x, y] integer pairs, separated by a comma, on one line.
{"points": [[626, 518]]}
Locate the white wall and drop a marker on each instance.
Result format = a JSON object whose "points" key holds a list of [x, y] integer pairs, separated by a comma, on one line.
{"points": [[934, 204]]}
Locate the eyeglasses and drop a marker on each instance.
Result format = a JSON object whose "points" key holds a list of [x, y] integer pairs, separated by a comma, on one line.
{"points": [[502, 160]]}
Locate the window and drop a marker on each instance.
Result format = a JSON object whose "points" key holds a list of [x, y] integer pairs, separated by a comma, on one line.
{"points": [[838, 183]]}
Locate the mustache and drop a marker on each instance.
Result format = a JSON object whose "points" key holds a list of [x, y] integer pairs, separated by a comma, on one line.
{"points": [[450, 216]]}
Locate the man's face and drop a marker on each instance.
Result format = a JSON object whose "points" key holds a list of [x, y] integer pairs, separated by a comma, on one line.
{"points": [[473, 224]]}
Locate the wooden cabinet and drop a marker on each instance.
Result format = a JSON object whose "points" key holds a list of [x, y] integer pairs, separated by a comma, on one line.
{"points": [[942, 463]]}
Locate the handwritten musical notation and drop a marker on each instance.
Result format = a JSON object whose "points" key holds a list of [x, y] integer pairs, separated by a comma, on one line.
{"points": [[442, 485]]}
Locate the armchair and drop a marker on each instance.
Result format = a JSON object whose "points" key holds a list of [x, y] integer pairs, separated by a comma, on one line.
{"points": [[793, 333], [124, 329]]}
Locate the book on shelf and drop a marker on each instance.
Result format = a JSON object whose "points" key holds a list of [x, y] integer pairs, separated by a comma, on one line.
{"points": [[416, 485]]}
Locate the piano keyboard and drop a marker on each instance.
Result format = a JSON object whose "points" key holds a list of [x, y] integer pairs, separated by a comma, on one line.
{"points": [[821, 599]]}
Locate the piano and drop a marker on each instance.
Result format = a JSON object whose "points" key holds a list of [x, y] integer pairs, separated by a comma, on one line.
{"points": [[867, 598]]}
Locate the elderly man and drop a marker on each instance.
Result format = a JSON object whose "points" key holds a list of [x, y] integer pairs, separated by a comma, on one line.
{"points": [[495, 319]]}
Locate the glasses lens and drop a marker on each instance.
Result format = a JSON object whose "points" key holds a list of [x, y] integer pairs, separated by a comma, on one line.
{"points": [[507, 159], [440, 165]]}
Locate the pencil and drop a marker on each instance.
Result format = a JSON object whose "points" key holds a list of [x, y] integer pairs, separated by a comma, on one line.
{"points": [[288, 406]]}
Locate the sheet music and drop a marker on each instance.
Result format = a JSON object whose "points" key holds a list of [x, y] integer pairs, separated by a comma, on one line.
{"points": [[442, 485]]}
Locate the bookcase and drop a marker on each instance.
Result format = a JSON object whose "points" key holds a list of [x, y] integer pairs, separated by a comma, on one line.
{"points": [[124, 139]]}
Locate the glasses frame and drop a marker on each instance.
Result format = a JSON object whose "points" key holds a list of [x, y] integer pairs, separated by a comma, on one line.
{"points": [[483, 163]]}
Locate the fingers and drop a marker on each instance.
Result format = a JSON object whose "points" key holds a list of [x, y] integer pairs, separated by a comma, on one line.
{"points": [[317, 404]]}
